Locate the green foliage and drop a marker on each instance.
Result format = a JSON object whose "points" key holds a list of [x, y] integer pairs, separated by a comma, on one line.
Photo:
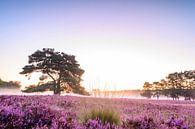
{"points": [[104, 115], [61, 68], [49, 87], [147, 91], [80, 90], [10, 84], [39, 88], [176, 84]]}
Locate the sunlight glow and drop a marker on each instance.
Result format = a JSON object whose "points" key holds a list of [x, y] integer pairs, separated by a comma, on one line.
{"points": [[120, 45]]}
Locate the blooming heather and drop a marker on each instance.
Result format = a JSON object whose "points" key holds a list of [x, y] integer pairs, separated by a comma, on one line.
{"points": [[63, 112]]}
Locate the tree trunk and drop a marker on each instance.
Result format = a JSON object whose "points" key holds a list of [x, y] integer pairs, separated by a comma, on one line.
{"points": [[58, 88], [55, 89]]}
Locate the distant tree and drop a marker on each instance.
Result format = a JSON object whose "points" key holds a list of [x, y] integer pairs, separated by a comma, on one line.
{"points": [[174, 85], [61, 68], [2, 82], [164, 87], [147, 90], [174, 81], [10, 84], [157, 89], [189, 82], [14, 84]]}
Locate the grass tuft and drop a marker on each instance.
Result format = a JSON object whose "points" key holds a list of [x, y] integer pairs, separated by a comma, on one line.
{"points": [[104, 115]]}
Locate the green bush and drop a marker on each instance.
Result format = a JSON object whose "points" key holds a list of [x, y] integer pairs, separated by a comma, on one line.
{"points": [[104, 115]]}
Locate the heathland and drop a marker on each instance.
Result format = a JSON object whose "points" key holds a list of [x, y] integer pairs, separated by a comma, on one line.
{"points": [[71, 112]]}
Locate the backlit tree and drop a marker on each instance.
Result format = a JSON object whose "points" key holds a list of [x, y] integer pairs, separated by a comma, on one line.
{"points": [[61, 68]]}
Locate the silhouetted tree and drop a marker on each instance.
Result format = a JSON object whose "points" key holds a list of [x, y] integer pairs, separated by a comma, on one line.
{"points": [[175, 86], [61, 68], [39, 88], [157, 89], [147, 90], [10, 84], [189, 82]]}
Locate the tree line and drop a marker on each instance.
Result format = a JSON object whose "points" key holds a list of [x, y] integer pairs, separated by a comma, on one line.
{"points": [[9, 84], [175, 85], [62, 72]]}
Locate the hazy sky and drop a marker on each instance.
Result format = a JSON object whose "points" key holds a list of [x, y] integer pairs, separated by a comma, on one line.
{"points": [[119, 43]]}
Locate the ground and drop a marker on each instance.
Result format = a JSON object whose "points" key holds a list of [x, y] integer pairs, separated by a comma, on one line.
{"points": [[67, 112]]}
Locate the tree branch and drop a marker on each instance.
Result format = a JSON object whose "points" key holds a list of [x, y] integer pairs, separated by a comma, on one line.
{"points": [[51, 77]]}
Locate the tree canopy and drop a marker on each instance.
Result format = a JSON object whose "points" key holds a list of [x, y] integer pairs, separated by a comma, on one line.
{"points": [[62, 69], [10, 84], [174, 85], [147, 90]]}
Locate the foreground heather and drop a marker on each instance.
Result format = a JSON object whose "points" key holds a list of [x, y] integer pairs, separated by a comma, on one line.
{"points": [[65, 112]]}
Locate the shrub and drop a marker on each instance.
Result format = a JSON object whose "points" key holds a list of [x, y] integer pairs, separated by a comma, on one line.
{"points": [[142, 123], [16, 114], [97, 124], [103, 115]]}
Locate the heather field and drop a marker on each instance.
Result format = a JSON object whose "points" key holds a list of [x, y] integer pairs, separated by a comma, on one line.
{"points": [[69, 112]]}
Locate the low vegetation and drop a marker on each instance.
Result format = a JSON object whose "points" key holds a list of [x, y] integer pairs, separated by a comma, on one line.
{"points": [[103, 115], [64, 112]]}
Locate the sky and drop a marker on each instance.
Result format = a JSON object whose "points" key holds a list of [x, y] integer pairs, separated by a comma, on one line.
{"points": [[119, 43]]}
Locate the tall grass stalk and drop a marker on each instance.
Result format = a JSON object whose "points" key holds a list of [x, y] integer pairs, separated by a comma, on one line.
{"points": [[104, 115]]}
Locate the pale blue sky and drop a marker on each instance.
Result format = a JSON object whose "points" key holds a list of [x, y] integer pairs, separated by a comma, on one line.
{"points": [[120, 44]]}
